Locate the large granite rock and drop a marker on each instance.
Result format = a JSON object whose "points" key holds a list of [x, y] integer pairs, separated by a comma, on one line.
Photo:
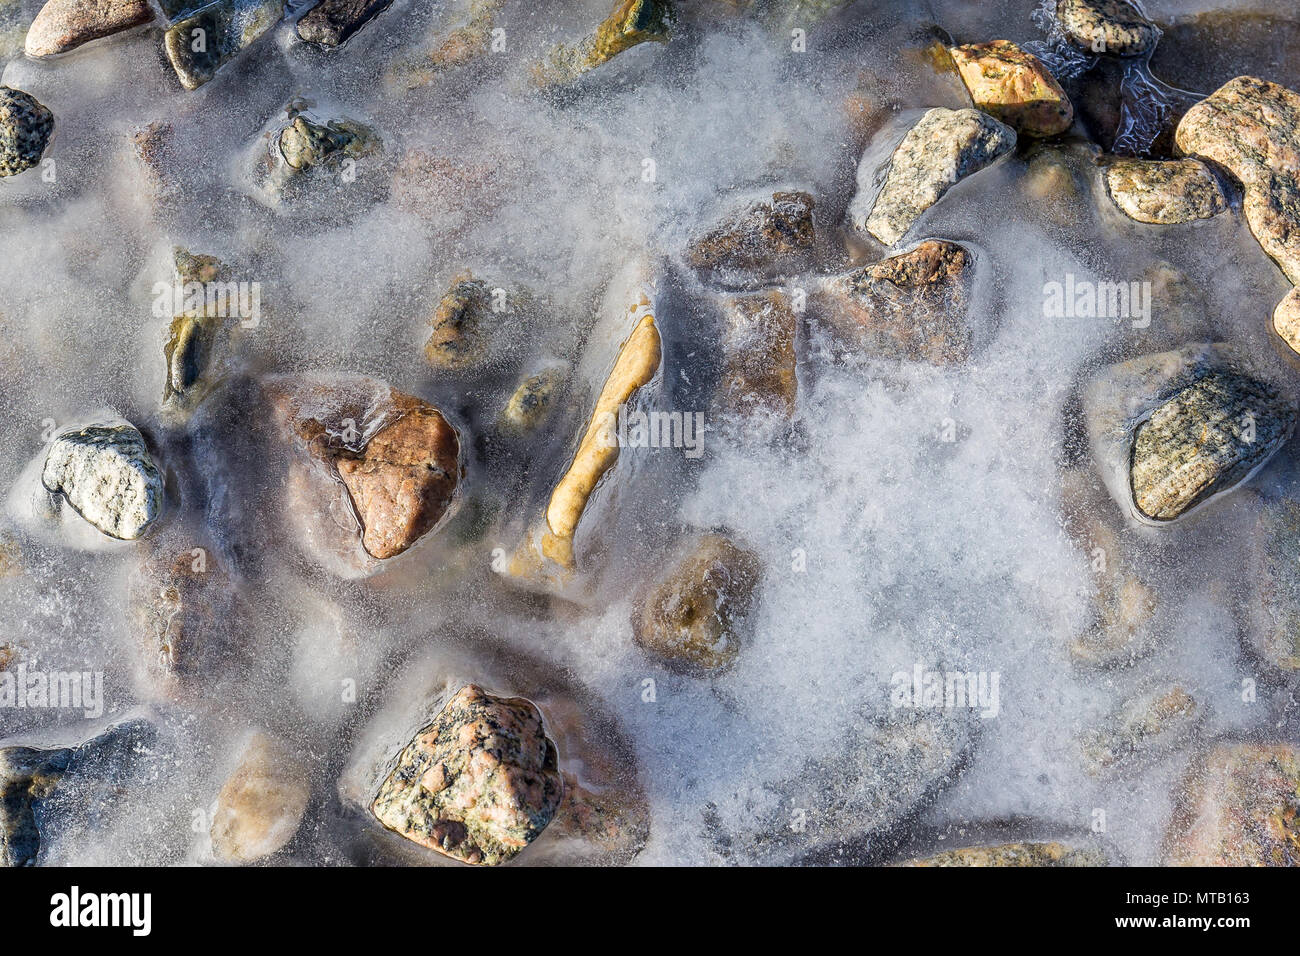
{"points": [[1252, 128], [943, 148], [1107, 26], [25, 128], [331, 22], [478, 784], [1014, 86]]}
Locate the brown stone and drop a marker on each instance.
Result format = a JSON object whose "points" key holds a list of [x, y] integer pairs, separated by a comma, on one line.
{"points": [[766, 238], [911, 306], [1014, 86], [758, 347]]}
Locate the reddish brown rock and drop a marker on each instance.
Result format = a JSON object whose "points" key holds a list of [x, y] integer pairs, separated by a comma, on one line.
{"points": [[764, 240], [396, 455], [758, 346]]}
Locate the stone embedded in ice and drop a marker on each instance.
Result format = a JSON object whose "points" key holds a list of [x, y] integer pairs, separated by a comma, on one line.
{"points": [[25, 128], [478, 784], [1239, 805], [201, 44], [1156, 721], [396, 455], [1252, 128], [1274, 621], [1170, 431], [1205, 439], [632, 22], [63, 25], [1164, 192], [914, 306], [1107, 26], [1014, 86], [331, 22], [261, 805], [943, 148], [106, 473], [461, 321], [692, 617], [764, 240], [83, 778], [1053, 853], [181, 615], [27, 777], [530, 404], [758, 353]]}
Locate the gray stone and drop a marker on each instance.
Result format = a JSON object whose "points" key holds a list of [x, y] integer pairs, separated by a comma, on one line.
{"points": [[25, 128], [220, 32], [1172, 430], [944, 147], [1165, 192], [64, 25], [1151, 723], [1274, 568], [106, 473], [331, 22], [1107, 26]]}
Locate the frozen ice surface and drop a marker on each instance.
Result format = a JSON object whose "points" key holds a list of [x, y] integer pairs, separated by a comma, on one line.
{"points": [[909, 515]]}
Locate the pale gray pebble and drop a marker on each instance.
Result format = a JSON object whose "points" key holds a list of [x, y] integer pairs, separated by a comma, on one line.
{"points": [[106, 473]]}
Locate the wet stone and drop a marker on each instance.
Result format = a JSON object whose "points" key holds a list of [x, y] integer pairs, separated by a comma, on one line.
{"points": [[1252, 128], [402, 477], [227, 26], [25, 128], [478, 784], [106, 473], [1014, 86], [765, 240], [943, 148], [1107, 26], [913, 306], [331, 22], [632, 22], [1165, 192], [64, 25], [692, 618], [1238, 806]]}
